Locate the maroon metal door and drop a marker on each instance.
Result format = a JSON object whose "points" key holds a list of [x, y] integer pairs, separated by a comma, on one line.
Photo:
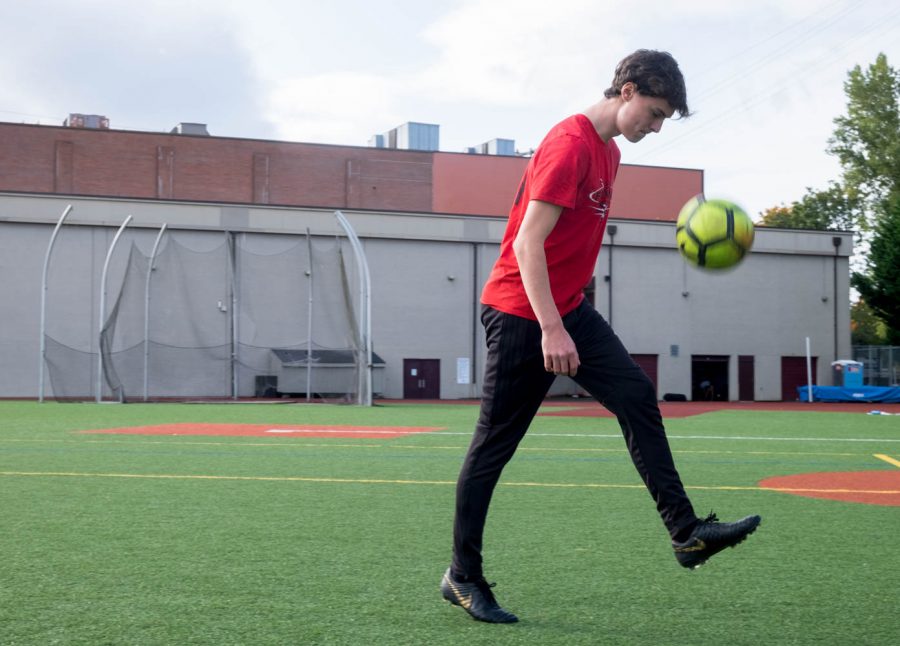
{"points": [[793, 374], [746, 384], [421, 378]]}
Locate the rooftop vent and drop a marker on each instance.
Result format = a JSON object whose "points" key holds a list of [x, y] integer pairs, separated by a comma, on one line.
{"points": [[505, 147], [93, 121], [185, 128], [409, 136]]}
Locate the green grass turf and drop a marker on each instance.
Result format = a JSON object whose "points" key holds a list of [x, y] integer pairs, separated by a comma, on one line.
{"points": [[292, 543]]}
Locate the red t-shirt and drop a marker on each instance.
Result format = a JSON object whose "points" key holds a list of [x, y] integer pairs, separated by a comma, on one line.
{"points": [[572, 168]]}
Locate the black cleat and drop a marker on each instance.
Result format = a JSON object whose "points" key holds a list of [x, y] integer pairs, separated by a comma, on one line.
{"points": [[475, 598], [711, 537]]}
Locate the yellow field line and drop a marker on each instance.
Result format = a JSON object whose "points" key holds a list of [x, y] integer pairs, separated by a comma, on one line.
{"points": [[888, 459], [552, 485], [158, 476], [420, 447]]}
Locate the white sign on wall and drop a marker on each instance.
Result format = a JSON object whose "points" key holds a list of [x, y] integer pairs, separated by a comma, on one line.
{"points": [[463, 370]]}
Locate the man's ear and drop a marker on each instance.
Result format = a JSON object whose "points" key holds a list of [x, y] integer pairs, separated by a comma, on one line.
{"points": [[628, 91]]}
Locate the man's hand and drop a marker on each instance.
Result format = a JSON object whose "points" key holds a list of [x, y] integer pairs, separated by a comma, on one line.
{"points": [[560, 354]]}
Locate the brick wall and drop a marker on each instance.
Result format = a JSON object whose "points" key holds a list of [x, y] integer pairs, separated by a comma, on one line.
{"points": [[115, 163]]}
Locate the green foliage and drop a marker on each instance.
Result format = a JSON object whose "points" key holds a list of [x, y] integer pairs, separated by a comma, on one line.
{"points": [[880, 285], [865, 326], [867, 142], [867, 139], [829, 210], [778, 216]]}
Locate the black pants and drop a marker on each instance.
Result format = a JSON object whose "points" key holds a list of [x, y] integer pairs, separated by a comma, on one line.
{"points": [[515, 384]]}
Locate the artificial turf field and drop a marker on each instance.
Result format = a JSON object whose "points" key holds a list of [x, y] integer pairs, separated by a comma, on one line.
{"points": [[300, 538]]}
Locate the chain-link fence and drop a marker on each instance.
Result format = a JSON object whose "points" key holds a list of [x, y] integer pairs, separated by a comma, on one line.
{"points": [[881, 364]]}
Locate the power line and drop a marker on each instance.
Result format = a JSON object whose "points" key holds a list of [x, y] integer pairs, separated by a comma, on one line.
{"points": [[881, 25], [779, 52], [773, 36]]}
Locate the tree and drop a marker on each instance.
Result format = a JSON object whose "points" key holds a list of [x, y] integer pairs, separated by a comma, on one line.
{"points": [[866, 140], [865, 327], [880, 285], [778, 216], [828, 210]]}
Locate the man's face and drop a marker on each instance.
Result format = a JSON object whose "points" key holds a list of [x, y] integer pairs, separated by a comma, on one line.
{"points": [[641, 114]]}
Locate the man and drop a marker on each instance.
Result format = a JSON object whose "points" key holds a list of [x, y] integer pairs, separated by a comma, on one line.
{"points": [[538, 325]]}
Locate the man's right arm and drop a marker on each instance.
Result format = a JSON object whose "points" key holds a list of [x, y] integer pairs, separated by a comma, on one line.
{"points": [[560, 354]]}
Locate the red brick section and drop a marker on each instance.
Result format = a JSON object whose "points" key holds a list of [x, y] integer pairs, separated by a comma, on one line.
{"points": [[869, 487], [271, 430], [157, 165], [110, 163]]}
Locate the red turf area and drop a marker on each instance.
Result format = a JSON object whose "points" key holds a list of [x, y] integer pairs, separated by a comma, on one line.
{"points": [[271, 430], [590, 408], [869, 487]]}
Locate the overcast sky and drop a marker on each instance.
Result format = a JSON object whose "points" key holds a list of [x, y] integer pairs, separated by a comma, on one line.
{"points": [[765, 78]]}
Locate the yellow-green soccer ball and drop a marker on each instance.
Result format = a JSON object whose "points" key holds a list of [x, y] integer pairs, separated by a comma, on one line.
{"points": [[713, 234]]}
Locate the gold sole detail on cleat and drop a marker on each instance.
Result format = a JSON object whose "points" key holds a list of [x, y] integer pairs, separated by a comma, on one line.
{"points": [[699, 547], [460, 599]]}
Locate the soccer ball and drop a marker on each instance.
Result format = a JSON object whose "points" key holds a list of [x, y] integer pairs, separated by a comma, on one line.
{"points": [[713, 234]]}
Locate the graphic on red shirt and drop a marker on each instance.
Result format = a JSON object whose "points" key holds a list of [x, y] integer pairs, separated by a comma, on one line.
{"points": [[601, 198], [575, 169]]}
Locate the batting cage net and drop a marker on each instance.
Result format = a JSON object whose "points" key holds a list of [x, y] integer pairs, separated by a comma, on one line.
{"points": [[252, 315]]}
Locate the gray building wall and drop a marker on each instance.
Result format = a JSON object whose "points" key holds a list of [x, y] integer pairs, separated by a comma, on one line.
{"points": [[782, 293], [427, 272]]}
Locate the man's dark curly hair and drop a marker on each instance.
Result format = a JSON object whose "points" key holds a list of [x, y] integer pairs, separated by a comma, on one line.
{"points": [[654, 74]]}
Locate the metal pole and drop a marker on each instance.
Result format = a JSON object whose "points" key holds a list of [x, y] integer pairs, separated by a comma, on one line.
{"points": [[235, 299], [809, 387], [612, 229], [309, 318], [365, 316], [147, 313], [100, 323], [43, 343], [836, 242], [476, 309]]}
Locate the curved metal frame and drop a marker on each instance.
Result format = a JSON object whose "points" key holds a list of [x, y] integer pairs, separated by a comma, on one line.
{"points": [[43, 345], [365, 309], [100, 323]]}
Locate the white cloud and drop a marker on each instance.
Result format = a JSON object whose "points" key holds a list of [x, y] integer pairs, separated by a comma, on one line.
{"points": [[503, 52], [764, 76], [332, 108], [145, 66]]}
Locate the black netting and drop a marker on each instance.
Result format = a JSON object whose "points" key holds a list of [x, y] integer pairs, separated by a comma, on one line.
{"points": [[254, 315], [72, 373]]}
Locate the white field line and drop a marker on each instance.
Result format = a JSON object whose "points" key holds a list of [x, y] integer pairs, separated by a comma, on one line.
{"points": [[316, 431], [751, 438]]}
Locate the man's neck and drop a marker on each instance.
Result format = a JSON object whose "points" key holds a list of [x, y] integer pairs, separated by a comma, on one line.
{"points": [[603, 117]]}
